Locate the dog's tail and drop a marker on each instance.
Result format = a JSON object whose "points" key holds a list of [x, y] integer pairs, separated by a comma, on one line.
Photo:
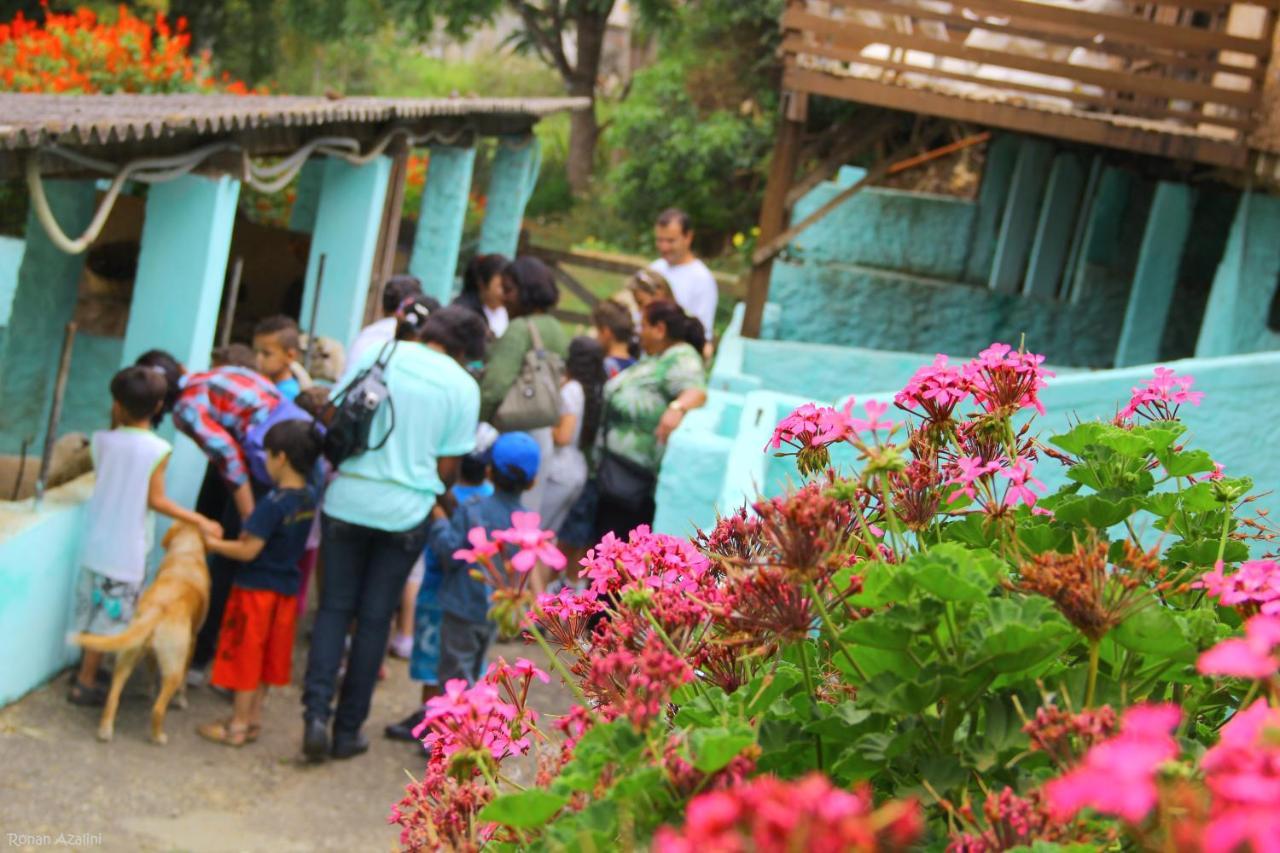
{"points": [[135, 635]]}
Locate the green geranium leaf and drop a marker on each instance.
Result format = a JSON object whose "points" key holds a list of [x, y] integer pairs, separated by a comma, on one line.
{"points": [[1155, 630], [714, 748], [1082, 436], [1094, 510], [1186, 463], [1018, 633], [1204, 552], [1131, 443], [954, 573], [761, 692], [882, 584], [524, 809]]}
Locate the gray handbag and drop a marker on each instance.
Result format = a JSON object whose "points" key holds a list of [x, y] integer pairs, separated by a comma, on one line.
{"points": [[533, 401]]}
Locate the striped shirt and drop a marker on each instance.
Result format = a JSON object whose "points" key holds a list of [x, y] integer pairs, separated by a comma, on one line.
{"points": [[217, 408]]}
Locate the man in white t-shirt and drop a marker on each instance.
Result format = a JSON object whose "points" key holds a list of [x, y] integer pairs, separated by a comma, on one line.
{"points": [[691, 282], [397, 289]]}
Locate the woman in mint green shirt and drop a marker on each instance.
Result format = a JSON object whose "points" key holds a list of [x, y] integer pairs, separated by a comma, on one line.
{"points": [[644, 404], [375, 513]]}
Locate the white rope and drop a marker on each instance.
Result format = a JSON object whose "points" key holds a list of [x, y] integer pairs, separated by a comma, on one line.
{"points": [[150, 170]]}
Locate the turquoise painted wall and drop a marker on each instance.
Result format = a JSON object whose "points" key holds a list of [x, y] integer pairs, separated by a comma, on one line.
{"points": [[39, 565], [511, 181], [441, 218], [909, 232], [1236, 316]]}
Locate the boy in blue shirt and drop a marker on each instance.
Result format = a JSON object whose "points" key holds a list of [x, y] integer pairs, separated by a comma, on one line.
{"points": [[465, 628], [424, 659], [255, 645]]}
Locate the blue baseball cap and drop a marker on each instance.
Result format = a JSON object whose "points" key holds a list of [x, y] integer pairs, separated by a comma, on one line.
{"points": [[516, 450]]}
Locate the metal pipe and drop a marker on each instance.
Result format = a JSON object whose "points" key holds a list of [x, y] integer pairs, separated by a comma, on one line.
{"points": [[233, 296], [55, 412], [22, 466], [315, 307]]}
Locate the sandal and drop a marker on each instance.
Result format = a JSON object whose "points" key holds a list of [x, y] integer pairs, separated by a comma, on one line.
{"points": [[89, 697], [224, 732], [251, 733]]}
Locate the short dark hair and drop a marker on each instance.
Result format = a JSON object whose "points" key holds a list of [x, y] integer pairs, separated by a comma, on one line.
{"points": [[173, 372], [298, 440], [397, 289], [413, 313], [675, 214], [460, 331], [480, 270], [534, 283], [614, 316], [285, 328], [472, 468], [680, 326], [509, 479], [234, 355], [139, 390]]}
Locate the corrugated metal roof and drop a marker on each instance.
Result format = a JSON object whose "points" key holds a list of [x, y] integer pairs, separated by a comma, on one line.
{"points": [[28, 121]]}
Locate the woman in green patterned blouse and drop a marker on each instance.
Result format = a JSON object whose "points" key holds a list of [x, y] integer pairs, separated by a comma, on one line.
{"points": [[643, 405]]}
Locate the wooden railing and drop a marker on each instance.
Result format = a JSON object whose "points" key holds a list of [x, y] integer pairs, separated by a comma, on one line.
{"points": [[1187, 67]]}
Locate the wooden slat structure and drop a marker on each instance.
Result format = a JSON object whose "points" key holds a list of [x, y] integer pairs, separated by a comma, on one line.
{"points": [[1177, 79], [1180, 79]]}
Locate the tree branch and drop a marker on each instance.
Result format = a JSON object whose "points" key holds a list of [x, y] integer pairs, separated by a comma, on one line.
{"points": [[550, 45]]}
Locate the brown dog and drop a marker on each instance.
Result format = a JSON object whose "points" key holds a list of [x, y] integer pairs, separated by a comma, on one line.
{"points": [[169, 614]]}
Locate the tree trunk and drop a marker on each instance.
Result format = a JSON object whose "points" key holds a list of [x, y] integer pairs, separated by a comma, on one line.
{"points": [[584, 132]]}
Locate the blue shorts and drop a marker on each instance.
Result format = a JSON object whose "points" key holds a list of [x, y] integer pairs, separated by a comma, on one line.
{"points": [[424, 660], [578, 529]]}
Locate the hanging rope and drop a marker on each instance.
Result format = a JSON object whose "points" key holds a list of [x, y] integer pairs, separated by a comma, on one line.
{"points": [[269, 178]]}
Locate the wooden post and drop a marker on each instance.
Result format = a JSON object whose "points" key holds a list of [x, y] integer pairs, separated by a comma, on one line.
{"points": [[384, 257], [773, 212]]}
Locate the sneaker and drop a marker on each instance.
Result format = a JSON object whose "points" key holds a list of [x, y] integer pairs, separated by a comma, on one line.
{"points": [[403, 730], [402, 646], [197, 677], [349, 746], [315, 740], [89, 697]]}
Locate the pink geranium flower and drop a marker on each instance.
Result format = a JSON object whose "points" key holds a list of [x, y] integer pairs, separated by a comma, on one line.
{"points": [[481, 546], [1249, 656], [1022, 484], [967, 471], [934, 391], [873, 423], [1253, 588], [1159, 399], [1242, 772], [1118, 776], [534, 542]]}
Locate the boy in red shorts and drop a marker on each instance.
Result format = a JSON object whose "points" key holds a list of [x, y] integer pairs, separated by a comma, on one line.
{"points": [[255, 645]]}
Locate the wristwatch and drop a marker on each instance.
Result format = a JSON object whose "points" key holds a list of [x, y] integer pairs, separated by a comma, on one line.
{"points": [[676, 405]]}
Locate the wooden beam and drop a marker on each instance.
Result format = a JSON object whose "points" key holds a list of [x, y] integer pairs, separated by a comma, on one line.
{"points": [[844, 151], [856, 36], [1021, 213], [773, 218], [384, 257], [1058, 217], [1095, 131]]}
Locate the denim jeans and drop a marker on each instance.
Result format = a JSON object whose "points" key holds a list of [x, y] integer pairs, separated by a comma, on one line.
{"points": [[365, 570]]}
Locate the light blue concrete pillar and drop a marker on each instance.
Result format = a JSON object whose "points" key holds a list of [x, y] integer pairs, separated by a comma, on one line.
{"points": [[346, 233], [1021, 214], [302, 217], [1156, 276], [441, 218], [997, 172], [1056, 227], [1236, 316], [514, 175], [182, 266], [1101, 239], [43, 303]]}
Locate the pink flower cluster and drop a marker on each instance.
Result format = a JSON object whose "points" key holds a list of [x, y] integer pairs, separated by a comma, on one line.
{"points": [[1118, 776], [1159, 399], [969, 471], [532, 544], [1011, 821], [1003, 379], [810, 429], [1242, 773], [637, 685], [768, 815], [1254, 588], [934, 391], [465, 726], [1250, 656]]}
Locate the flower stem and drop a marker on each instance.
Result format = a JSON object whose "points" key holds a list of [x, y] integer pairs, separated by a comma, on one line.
{"points": [[830, 625], [813, 698], [1226, 527], [559, 667], [1094, 648]]}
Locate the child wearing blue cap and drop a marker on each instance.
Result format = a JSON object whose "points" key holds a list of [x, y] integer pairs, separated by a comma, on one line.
{"points": [[465, 628]]}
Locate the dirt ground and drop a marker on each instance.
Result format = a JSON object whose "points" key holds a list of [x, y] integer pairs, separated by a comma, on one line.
{"points": [[192, 795]]}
